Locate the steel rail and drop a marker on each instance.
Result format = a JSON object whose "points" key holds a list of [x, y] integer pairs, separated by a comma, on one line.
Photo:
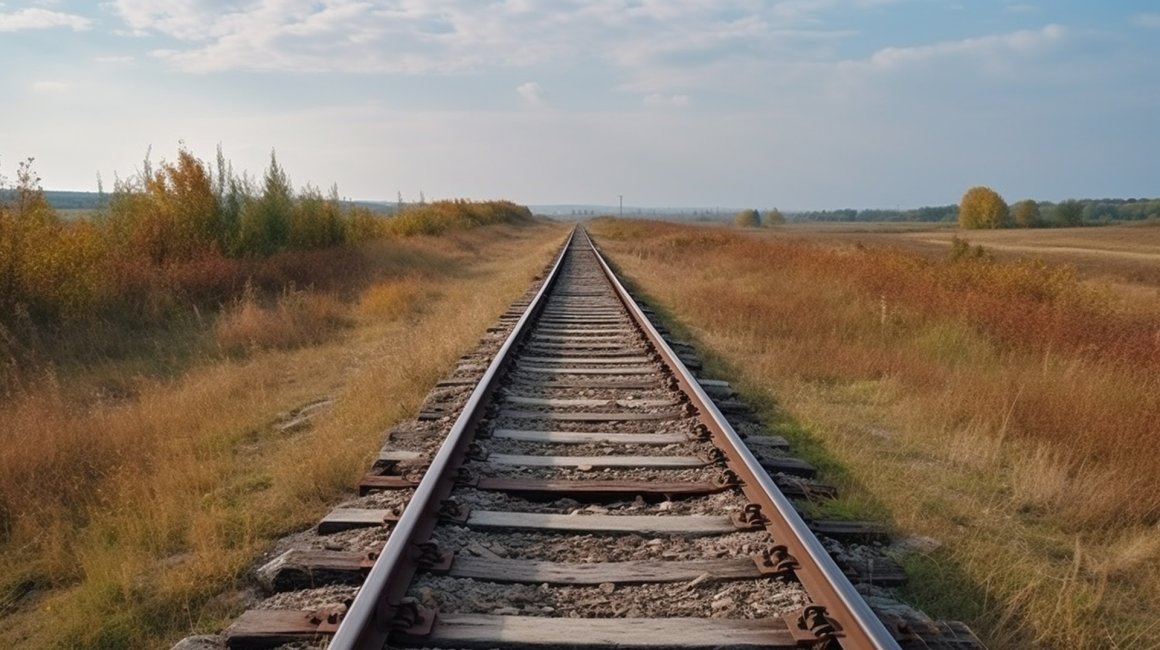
{"points": [[369, 619], [859, 627]]}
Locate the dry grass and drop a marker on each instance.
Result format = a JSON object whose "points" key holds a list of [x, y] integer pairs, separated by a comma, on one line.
{"points": [[129, 521], [1123, 257], [294, 319], [1004, 409]]}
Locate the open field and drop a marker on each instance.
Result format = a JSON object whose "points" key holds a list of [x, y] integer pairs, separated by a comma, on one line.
{"points": [[1126, 257], [1000, 416], [133, 499]]}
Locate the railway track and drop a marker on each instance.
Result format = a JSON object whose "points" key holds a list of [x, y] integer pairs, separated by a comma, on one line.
{"points": [[589, 493]]}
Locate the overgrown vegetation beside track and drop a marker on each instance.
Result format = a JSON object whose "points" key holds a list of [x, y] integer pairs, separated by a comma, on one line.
{"points": [[1006, 409], [182, 238], [150, 424]]}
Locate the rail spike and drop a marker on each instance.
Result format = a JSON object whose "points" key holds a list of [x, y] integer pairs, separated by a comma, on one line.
{"points": [[412, 619], [776, 560]]}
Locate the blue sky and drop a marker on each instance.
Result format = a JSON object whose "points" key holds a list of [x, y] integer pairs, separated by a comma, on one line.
{"points": [[798, 104]]}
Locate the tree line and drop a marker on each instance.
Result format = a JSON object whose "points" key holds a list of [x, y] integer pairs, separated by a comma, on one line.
{"points": [[750, 218], [983, 207], [1027, 213]]}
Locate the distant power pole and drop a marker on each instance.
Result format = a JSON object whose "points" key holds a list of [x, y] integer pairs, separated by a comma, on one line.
{"points": [[621, 197]]}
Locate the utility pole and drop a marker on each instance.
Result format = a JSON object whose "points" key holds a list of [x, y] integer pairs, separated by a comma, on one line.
{"points": [[621, 197]]}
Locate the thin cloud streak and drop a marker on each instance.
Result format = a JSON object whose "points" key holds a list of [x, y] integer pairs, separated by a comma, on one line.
{"points": [[35, 18], [1151, 20]]}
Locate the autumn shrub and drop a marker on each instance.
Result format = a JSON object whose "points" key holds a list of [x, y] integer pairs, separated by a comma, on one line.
{"points": [[441, 216], [748, 218], [316, 221], [1025, 214], [982, 207]]}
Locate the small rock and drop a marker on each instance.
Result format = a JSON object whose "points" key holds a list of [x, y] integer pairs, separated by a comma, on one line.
{"points": [[665, 505], [583, 468], [204, 642], [427, 597], [607, 587], [722, 604], [505, 611]]}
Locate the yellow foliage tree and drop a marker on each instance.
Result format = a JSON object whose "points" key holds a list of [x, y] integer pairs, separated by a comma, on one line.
{"points": [[185, 212], [1025, 214], [748, 218], [982, 207]]}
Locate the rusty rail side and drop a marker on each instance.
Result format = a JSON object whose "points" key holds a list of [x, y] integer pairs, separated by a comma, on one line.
{"points": [[375, 611], [854, 624]]}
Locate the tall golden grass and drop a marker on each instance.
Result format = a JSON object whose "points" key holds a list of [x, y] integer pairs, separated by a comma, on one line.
{"points": [[129, 520], [1006, 408], [295, 318]]}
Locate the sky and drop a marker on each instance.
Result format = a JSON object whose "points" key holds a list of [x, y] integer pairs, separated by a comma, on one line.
{"points": [[798, 104]]}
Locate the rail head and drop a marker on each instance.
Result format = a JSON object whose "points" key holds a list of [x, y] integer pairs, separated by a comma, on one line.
{"points": [[820, 575], [368, 620]]}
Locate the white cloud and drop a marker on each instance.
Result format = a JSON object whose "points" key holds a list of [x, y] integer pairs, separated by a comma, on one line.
{"points": [[1021, 42], [1147, 20], [658, 99], [37, 18], [49, 87], [192, 20], [424, 36], [532, 94]]}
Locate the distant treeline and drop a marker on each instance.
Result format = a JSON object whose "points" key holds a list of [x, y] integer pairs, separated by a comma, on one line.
{"points": [[933, 213], [1060, 214], [62, 200], [92, 201]]}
